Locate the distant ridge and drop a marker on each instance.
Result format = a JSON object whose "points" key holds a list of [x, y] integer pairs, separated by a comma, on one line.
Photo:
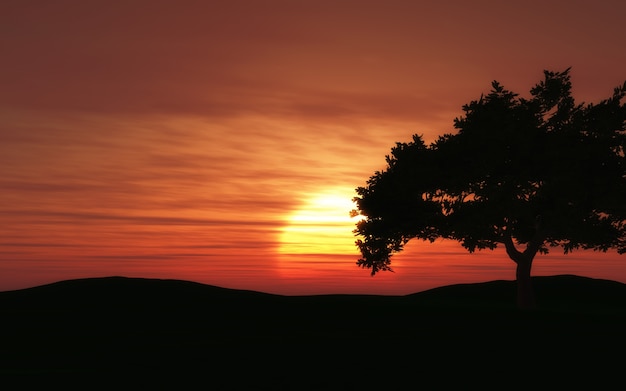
{"points": [[562, 292], [559, 292], [124, 292]]}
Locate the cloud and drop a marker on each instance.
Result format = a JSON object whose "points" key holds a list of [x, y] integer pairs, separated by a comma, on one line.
{"points": [[59, 217], [223, 60]]}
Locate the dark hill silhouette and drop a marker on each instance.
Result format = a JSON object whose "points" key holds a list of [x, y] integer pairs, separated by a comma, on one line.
{"points": [[555, 293], [160, 331], [570, 292], [123, 292]]}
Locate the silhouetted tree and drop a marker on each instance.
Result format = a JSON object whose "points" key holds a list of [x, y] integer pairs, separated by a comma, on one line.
{"points": [[528, 174]]}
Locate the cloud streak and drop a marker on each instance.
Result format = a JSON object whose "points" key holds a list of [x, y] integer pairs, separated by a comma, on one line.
{"points": [[220, 61]]}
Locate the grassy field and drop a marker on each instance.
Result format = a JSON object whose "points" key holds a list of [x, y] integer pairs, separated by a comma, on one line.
{"points": [[168, 334]]}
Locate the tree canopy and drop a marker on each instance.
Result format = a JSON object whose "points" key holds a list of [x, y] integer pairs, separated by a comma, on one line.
{"points": [[539, 172]]}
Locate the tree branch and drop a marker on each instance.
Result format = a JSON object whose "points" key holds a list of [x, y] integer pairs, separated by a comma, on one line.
{"points": [[511, 250], [537, 240]]}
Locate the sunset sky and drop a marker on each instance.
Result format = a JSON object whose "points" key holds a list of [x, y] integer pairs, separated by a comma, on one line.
{"points": [[221, 141]]}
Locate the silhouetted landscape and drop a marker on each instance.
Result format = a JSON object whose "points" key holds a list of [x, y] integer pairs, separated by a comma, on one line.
{"points": [[162, 332], [302, 146]]}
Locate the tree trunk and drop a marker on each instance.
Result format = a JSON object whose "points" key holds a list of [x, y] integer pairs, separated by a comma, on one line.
{"points": [[525, 294], [524, 262]]}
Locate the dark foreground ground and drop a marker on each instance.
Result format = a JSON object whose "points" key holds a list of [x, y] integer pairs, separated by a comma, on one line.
{"points": [[163, 334]]}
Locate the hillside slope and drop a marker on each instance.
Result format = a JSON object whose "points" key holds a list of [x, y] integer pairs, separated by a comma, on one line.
{"points": [[160, 331]]}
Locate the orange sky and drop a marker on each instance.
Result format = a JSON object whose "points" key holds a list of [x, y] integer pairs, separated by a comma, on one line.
{"points": [[196, 139]]}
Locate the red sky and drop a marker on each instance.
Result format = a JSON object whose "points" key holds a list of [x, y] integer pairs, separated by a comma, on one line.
{"points": [[218, 141]]}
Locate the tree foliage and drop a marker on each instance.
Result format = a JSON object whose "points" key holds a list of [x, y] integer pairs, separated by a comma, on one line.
{"points": [[542, 172]]}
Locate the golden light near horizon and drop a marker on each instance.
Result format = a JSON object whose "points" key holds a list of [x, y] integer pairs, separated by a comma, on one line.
{"points": [[322, 225]]}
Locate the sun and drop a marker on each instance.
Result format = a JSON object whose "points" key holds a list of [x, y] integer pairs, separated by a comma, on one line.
{"points": [[322, 225]]}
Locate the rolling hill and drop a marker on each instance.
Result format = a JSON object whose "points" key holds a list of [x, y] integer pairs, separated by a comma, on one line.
{"points": [[169, 332]]}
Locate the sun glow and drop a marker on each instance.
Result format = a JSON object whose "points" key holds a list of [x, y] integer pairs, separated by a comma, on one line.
{"points": [[322, 226]]}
